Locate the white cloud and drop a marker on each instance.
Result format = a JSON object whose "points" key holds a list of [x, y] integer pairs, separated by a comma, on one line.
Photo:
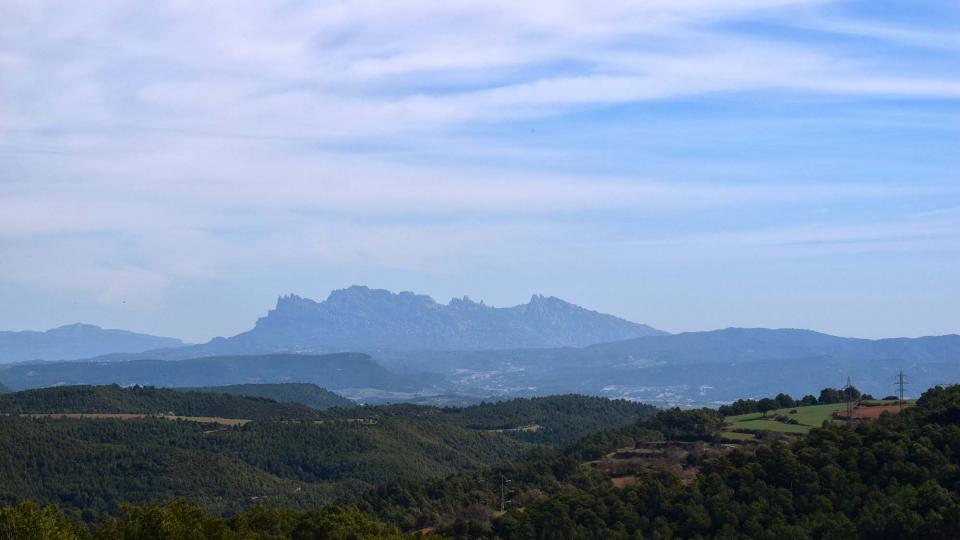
{"points": [[143, 145]]}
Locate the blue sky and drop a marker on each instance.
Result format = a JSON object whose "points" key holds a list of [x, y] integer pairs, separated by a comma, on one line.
{"points": [[173, 167]]}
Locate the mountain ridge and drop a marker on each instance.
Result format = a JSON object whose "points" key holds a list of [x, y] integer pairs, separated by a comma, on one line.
{"points": [[380, 319], [361, 319], [76, 341]]}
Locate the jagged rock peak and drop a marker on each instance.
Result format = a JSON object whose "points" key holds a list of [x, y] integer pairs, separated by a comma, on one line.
{"points": [[364, 294]]}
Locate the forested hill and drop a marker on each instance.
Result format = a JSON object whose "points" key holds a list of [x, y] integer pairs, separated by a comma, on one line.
{"points": [[343, 370], [895, 477], [86, 463], [148, 400], [551, 419], [307, 394]]}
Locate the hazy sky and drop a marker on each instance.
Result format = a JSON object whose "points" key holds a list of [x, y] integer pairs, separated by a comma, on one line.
{"points": [[173, 167]]}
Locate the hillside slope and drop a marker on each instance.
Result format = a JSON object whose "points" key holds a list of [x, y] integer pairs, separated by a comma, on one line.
{"points": [[329, 371], [697, 367], [148, 400], [97, 465], [310, 395]]}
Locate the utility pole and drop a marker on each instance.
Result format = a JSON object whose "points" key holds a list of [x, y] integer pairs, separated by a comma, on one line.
{"points": [[848, 391]]}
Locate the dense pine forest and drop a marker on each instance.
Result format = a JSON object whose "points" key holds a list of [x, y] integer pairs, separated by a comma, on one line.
{"points": [[229, 453], [113, 399], [307, 394], [896, 477]]}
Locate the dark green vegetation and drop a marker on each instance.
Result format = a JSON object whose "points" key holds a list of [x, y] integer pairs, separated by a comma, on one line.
{"points": [[552, 420], [310, 395], [179, 520], [896, 477], [329, 371], [149, 400], [94, 465], [280, 459], [828, 396]]}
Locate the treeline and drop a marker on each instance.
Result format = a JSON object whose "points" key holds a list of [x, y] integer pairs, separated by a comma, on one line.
{"points": [[180, 520], [92, 466], [149, 400], [307, 394], [827, 396], [895, 478], [898, 477], [551, 420]]}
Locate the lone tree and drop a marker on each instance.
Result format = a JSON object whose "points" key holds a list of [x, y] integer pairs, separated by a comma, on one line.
{"points": [[766, 405]]}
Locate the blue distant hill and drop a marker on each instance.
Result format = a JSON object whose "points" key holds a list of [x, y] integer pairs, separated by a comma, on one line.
{"points": [[76, 341]]}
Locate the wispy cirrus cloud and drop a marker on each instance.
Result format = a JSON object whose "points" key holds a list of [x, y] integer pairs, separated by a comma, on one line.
{"points": [[166, 146]]}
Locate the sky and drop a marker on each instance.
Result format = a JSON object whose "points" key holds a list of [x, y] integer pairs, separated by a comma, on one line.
{"points": [[173, 167]]}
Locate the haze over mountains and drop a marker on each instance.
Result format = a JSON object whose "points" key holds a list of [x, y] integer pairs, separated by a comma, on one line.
{"points": [[696, 368], [75, 341], [405, 346], [363, 319]]}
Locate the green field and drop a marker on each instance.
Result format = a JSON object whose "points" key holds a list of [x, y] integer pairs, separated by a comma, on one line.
{"points": [[808, 417]]}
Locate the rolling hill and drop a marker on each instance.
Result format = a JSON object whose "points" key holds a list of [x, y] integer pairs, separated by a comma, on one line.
{"points": [[113, 399], [307, 394], [696, 367], [277, 460], [345, 370], [76, 341]]}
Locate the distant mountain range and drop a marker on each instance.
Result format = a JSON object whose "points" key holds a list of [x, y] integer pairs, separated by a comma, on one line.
{"points": [[698, 367], [409, 347], [76, 341], [368, 320], [688, 369], [361, 319]]}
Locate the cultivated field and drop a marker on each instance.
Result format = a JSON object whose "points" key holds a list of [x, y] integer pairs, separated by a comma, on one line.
{"points": [[807, 417]]}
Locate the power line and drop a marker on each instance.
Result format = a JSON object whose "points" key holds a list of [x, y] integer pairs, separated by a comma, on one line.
{"points": [[901, 383]]}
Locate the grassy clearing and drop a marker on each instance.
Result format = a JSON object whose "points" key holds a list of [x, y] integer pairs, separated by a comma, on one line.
{"points": [[807, 417]]}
